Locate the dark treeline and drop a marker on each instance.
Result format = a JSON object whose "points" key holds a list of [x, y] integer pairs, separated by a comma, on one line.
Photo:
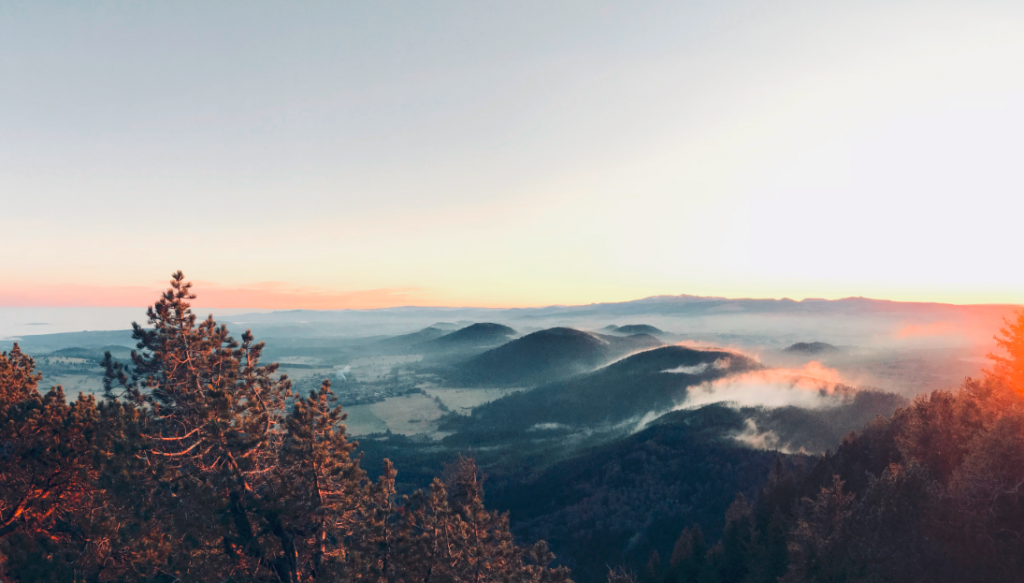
{"points": [[933, 494], [203, 465]]}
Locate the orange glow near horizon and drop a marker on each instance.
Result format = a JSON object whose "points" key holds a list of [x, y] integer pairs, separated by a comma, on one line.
{"points": [[931, 329], [285, 296], [750, 150], [266, 295]]}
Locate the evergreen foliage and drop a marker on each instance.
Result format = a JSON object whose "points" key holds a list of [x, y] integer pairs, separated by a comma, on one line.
{"points": [[202, 465], [1010, 368], [933, 494], [50, 519]]}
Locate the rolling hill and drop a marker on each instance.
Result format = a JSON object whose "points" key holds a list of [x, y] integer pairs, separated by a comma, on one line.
{"points": [[461, 344], [405, 342], [617, 502], [547, 356], [619, 393], [810, 348], [613, 504], [483, 335]]}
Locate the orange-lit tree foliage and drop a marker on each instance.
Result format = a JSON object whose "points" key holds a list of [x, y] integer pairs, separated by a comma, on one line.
{"points": [[933, 494], [202, 465], [1009, 369], [48, 468], [207, 445]]}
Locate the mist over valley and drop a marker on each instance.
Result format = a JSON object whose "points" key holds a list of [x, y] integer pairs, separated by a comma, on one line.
{"points": [[709, 392]]}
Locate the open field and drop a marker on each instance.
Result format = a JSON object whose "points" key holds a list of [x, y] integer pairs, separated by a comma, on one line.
{"points": [[362, 420], [409, 415], [417, 414], [60, 360], [75, 383], [406, 415], [463, 400]]}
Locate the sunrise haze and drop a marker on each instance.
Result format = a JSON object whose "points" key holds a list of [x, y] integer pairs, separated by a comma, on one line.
{"points": [[366, 155]]}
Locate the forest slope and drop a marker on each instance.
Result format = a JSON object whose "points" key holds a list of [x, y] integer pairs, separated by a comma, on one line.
{"points": [[546, 356]]}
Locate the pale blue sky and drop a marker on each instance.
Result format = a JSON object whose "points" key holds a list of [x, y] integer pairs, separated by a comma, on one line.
{"points": [[513, 154]]}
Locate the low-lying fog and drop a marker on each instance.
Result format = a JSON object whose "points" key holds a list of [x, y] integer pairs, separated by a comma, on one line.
{"points": [[692, 398], [391, 374]]}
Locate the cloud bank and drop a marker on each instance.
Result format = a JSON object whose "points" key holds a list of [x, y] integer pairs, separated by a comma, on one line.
{"points": [[812, 386]]}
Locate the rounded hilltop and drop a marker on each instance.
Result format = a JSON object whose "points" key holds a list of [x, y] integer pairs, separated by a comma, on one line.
{"points": [[811, 348]]}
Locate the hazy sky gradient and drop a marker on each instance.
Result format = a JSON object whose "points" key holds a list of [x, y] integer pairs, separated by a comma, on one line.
{"points": [[523, 153]]}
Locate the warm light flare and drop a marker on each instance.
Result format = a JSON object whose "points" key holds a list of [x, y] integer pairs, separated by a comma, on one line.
{"points": [[811, 386], [266, 295], [931, 329]]}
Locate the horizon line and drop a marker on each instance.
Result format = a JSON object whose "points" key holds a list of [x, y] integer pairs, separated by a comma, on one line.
{"points": [[531, 307]]}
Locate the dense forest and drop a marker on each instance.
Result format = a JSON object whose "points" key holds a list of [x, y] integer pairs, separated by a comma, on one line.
{"points": [[201, 464], [935, 493]]}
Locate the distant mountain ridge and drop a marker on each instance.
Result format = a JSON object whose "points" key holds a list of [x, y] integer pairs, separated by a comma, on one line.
{"points": [[847, 321], [666, 305], [886, 318], [92, 353], [630, 329]]}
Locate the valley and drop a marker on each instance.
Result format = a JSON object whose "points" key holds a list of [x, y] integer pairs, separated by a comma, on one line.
{"points": [[606, 439]]}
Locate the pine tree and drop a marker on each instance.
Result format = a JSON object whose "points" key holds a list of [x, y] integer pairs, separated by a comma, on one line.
{"points": [[1009, 369], [652, 572], [371, 543], [689, 555], [775, 502], [319, 491], [47, 471], [211, 428], [18, 379], [489, 547], [446, 535], [818, 546], [736, 541], [424, 529], [202, 466]]}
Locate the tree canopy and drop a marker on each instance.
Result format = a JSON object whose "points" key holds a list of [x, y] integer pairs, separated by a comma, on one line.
{"points": [[202, 464], [933, 494]]}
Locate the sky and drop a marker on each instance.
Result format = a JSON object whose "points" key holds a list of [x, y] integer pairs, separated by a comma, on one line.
{"points": [[373, 154]]}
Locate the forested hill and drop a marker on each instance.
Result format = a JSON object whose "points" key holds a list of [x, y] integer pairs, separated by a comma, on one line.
{"points": [[618, 502], [629, 329], [615, 504], [625, 390], [546, 356], [932, 494], [473, 336]]}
